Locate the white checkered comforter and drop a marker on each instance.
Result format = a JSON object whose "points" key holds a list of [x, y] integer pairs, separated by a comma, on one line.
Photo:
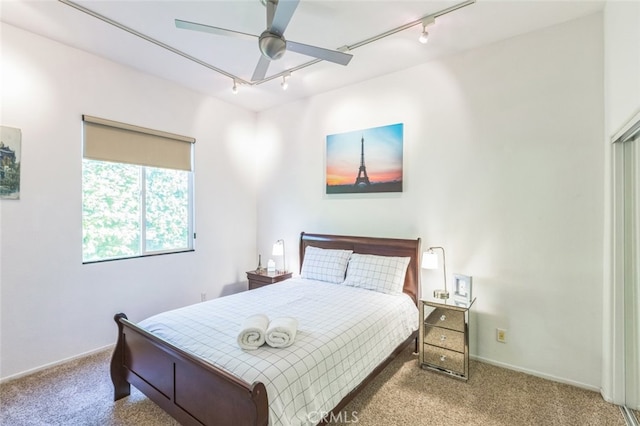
{"points": [[343, 334]]}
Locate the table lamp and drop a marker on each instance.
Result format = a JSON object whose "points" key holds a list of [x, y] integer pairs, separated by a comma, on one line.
{"points": [[430, 261], [278, 250]]}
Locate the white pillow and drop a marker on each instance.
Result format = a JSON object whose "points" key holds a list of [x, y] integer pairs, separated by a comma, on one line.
{"points": [[325, 264], [379, 273]]}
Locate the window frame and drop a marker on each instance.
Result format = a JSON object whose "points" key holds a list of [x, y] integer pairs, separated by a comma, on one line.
{"points": [[142, 197]]}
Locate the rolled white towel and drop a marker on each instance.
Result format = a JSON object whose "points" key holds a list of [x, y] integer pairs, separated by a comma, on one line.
{"points": [[281, 332], [253, 331]]}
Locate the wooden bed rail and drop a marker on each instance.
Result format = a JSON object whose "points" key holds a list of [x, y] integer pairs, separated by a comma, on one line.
{"points": [[191, 390]]}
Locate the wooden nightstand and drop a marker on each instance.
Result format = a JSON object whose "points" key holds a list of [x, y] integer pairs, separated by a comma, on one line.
{"points": [[444, 336], [261, 279]]}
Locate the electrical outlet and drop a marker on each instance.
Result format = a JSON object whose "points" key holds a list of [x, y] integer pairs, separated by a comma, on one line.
{"points": [[501, 335], [203, 297]]}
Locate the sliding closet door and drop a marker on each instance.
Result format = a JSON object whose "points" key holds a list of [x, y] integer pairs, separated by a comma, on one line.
{"points": [[631, 167], [626, 253]]}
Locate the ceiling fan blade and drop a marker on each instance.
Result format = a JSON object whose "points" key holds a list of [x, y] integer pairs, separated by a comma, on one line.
{"points": [[282, 16], [334, 56], [186, 25], [271, 10], [261, 68]]}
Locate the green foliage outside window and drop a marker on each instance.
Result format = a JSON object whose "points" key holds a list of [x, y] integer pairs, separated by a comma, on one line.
{"points": [[167, 209], [115, 207]]}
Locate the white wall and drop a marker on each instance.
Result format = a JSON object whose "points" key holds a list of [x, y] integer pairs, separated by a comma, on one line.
{"points": [[502, 166], [622, 63], [52, 306], [622, 102]]}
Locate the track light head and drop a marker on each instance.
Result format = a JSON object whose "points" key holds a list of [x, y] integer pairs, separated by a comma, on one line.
{"points": [[285, 81], [234, 89], [424, 37]]}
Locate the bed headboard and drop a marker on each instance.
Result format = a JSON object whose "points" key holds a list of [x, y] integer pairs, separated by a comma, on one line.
{"points": [[372, 245]]}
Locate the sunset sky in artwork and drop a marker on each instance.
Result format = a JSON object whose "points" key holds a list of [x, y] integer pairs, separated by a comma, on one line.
{"points": [[382, 155]]}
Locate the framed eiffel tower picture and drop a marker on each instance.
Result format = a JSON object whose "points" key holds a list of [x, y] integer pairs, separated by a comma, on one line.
{"points": [[365, 161]]}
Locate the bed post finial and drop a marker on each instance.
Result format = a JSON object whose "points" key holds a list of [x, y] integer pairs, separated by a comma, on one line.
{"points": [[121, 387]]}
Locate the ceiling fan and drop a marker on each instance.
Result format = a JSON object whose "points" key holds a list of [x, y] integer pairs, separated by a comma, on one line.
{"points": [[271, 42]]}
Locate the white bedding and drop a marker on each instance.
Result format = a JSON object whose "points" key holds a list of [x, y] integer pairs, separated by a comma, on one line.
{"points": [[343, 334]]}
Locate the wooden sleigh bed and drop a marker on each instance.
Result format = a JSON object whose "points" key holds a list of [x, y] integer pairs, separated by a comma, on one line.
{"points": [[196, 392]]}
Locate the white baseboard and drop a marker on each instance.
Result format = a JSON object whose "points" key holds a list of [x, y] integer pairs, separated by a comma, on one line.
{"points": [[55, 364], [537, 374], [474, 357]]}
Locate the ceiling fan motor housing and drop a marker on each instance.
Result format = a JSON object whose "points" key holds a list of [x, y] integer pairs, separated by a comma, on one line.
{"points": [[272, 45]]}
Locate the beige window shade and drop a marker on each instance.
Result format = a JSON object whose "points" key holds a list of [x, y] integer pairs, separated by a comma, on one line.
{"points": [[108, 140]]}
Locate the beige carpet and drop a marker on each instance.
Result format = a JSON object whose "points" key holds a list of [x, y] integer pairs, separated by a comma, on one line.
{"points": [[80, 393]]}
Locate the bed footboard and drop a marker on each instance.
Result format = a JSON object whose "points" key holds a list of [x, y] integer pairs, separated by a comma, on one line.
{"points": [[189, 389]]}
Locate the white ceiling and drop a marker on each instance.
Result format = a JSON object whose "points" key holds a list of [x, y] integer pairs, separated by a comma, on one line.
{"points": [[329, 24]]}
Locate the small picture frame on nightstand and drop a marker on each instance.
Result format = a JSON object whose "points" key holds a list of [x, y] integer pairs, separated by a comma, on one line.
{"points": [[462, 288]]}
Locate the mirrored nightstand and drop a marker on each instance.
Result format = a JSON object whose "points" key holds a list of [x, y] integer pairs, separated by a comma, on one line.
{"points": [[444, 336]]}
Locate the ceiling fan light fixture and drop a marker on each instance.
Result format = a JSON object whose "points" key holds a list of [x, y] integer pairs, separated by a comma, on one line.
{"points": [[272, 45]]}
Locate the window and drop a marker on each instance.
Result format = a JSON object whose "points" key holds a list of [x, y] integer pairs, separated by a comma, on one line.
{"points": [[137, 197]]}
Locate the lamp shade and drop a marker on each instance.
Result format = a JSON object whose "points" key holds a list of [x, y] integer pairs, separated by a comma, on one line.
{"points": [[429, 260]]}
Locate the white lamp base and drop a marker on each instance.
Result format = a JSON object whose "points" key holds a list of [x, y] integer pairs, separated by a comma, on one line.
{"points": [[441, 294]]}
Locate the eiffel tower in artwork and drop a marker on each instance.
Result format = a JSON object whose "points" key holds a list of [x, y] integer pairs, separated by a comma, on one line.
{"points": [[362, 180]]}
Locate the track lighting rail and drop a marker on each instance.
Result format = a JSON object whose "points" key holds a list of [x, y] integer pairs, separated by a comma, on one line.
{"points": [[240, 81]]}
